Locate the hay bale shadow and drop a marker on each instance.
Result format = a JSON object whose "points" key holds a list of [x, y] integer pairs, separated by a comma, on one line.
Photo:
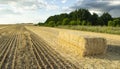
{"points": [[112, 53], [114, 48]]}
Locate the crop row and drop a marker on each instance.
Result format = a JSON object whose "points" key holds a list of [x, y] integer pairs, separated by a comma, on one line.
{"points": [[49, 57]]}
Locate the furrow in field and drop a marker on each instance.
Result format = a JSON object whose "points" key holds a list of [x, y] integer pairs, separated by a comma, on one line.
{"points": [[43, 57], [52, 55], [24, 57], [14, 57], [48, 56], [38, 57], [11, 55], [4, 46], [7, 53]]}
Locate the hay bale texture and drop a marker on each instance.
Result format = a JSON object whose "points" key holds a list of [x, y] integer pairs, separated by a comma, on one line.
{"points": [[77, 45]]}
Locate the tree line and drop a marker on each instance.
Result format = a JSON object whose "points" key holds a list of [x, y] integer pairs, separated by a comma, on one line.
{"points": [[82, 17]]}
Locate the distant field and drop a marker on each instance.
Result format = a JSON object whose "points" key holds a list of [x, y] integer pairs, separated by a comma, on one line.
{"points": [[100, 29]]}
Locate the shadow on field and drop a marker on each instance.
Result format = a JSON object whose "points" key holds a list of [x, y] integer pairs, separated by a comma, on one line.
{"points": [[113, 53], [114, 48]]}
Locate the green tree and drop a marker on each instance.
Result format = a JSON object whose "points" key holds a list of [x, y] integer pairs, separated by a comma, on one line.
{"points": [[111, 23], [58, 23], [94, 19], [54, 18], [105, 18], [40, 24], [62, 16], [117, 22], [100, 22], [84, 22], [79, 22], [83, 14], [65, 21], [73, 15], [51, 24], [89, 23], [81, 17], [73, 22]]}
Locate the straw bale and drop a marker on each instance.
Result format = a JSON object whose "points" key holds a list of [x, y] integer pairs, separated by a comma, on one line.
{"points": [[70, 42], [78, 45]]}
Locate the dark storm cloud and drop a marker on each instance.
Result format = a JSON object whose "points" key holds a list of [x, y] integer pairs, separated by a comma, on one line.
{"points": [[99, 5]]}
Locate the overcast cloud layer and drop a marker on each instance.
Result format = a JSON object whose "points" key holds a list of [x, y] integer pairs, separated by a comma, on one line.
{"points": [[17, 11]]}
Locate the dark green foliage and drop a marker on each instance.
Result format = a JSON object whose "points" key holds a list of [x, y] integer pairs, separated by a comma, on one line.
{"points": [[84, 23], [62, 16], [40, 24], [53, 18], [73, 15], [100, 21], [79, 22], [83, 14], [51, 24], [65, 21], [117, 22], [73, 22], [77, 17], [110, 23], [106, 17], [94, 19], [89, 24], [58, 23], [114, 23], [82, 17]]}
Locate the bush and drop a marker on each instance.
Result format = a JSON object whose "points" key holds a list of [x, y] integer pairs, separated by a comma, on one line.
{"points": [[51, 24], [73, 22], [79, 22], [84, 23], [114, 23], [58, 23], [89, 24], [65, 21], [117, 22], [110, 23]]}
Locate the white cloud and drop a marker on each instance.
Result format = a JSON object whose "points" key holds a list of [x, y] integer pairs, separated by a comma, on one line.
{"points": [[5, 10], [64, 1], [113, 3], [45, 5], [96, 11], [67, 9], [17, 6], [17, 11], [21, 6]]}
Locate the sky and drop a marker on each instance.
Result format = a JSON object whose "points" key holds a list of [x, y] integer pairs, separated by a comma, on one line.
{"points": [[34, 11]]}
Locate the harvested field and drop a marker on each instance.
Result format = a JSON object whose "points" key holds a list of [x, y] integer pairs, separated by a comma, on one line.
{"points": [[109, 60], [22, 49], [31, 47]]}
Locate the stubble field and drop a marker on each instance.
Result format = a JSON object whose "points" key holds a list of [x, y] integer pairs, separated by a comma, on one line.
{"points": [[22, 49], [30, 47]]}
